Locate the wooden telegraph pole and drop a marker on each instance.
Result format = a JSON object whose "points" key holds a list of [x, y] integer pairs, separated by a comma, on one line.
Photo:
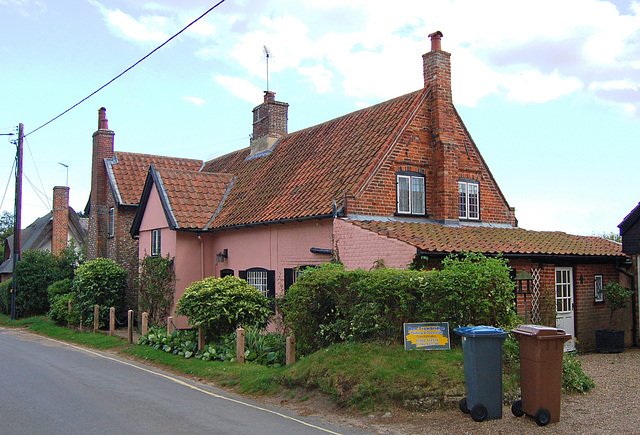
{"points": [[16, 217]]}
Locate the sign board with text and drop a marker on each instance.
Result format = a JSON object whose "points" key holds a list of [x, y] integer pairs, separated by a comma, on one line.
{"points": [[426, 336]]}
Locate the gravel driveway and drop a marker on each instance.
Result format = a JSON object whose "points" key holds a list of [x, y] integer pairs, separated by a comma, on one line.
{"points": [[612, 407]]}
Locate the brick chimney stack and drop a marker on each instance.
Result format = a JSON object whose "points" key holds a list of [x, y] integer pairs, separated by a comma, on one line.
{"points": [[98, 208], [269, 123], [443, 123], [60, 219]]}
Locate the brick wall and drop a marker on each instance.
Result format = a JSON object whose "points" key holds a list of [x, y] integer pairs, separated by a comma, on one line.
{"points": [[60, 219], [435, 143]]}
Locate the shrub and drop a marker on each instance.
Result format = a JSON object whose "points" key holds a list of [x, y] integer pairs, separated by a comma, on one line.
{"points": [[329, 304], [59, 311], [5, 297], [156, 284], [220, 305], [33, 274], [61, 287], [100, 282]]}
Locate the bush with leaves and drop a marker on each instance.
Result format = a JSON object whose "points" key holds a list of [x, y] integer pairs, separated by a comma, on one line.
{"points": [[100, 282], [5, 297], [220, 305], [156, 286], [329, 304], [35, 271]]}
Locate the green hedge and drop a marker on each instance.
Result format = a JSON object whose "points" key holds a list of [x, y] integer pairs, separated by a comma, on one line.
{"points": [[329, 304]]}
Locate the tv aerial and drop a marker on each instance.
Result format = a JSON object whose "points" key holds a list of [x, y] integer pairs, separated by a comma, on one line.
{"points": [[267, 55]]}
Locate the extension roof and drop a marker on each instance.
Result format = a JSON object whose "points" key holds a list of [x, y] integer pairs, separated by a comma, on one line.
{"points": [[443, 239], [127, 173]]}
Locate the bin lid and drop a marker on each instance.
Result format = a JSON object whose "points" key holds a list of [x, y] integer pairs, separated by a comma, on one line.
{"points": [[482, 330], [539, 330]]}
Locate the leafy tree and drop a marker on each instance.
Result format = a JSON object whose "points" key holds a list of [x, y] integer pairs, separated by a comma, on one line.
{"points": [[156, 284], [100, 282], [6, 229], [220, 305], [616, 237]]}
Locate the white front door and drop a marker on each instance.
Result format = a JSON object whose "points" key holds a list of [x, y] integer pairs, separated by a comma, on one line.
{"points": [[564, 304]]}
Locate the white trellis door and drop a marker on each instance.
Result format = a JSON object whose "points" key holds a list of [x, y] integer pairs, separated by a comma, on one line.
{"points": [[564, 304]]}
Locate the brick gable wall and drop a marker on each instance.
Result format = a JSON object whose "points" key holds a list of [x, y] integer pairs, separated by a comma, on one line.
{"points": [[60, 219]]}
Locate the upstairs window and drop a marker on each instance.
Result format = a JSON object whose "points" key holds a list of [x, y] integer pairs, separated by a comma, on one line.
{"points": [[112, 225], [155, 243], [469, 200], [410, 194]]}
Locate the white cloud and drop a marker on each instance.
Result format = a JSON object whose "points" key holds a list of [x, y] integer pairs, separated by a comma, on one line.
{"points": [[202, 29], [25, 8], [148, 28], [534, 87], [241, 88], [195, 100], [319, 76], [615, 85]]}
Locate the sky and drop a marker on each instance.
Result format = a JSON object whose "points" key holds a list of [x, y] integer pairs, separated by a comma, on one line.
{"points": [[549, 90]]}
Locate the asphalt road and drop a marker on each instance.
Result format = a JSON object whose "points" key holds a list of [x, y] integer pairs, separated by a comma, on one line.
{"points": [[51, 387]]}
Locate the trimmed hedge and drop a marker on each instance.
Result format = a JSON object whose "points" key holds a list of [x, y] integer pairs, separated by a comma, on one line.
{"points": [[329, 304]]}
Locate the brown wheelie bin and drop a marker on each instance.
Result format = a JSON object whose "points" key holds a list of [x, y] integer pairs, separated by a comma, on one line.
{"points": [[541, 351]]}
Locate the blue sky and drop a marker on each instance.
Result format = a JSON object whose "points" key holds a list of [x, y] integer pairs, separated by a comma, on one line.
{"points": [[550, 91]]}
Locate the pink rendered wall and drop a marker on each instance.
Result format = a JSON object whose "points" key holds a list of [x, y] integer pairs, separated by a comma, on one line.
{"points": [[360, 249], [273, 247]]}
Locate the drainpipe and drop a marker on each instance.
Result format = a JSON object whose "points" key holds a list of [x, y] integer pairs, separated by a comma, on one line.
{"points": [[201, 256], [634, 306]]}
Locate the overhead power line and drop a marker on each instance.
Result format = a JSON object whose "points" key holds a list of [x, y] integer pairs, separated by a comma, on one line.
{"points": [[126, 70]]}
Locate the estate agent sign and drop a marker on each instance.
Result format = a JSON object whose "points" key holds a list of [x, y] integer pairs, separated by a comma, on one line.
{"points": [[427, 336]]}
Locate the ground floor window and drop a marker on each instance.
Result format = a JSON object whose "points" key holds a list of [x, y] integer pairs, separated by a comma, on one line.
{"points": [[262, 279]]}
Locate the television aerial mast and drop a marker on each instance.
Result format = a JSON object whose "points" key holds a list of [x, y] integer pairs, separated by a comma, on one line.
{"points": [[267, 55]]}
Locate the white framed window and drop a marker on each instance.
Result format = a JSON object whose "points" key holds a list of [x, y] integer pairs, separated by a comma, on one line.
{"points": [[469, 200], [156, 247], [410, 194], [258, 279], [112, 219]]}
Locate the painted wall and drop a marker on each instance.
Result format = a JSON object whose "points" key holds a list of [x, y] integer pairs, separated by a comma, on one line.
{"points": [[360, 249]]}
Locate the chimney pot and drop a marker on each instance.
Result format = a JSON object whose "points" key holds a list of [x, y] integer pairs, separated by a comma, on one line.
{"points": [[103, 122], [436, 40], [269, 96]]}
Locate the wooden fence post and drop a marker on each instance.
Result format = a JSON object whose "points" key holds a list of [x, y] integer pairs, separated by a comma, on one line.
{"points": [[200, 338], [291, 350], [69, 313], [96, 318], [145, 323], [169, 325], [130, 325], [240, 345], [112, 321]]}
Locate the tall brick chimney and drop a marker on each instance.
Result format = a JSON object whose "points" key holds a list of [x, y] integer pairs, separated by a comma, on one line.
{"points": [[443, 127], [60, 219], [99, 212], [269, 123]]}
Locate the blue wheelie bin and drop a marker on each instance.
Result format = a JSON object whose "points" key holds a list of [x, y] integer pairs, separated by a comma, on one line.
{"points": [[482, 352]]}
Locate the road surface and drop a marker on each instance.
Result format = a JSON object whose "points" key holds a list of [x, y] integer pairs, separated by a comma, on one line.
{"points": [[51, 387]]}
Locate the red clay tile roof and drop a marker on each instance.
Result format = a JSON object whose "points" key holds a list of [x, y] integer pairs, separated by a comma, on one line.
{"points": [[437, 238], [128, 175], [193, 197], [309, 169]]}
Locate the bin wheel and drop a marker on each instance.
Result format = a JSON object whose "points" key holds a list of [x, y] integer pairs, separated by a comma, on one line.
{"points": [[463, 405], [543, 417], [479, 412], [516, 408]]}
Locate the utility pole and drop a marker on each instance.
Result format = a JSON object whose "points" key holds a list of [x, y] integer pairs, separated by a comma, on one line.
{"points": [[16, 217]]}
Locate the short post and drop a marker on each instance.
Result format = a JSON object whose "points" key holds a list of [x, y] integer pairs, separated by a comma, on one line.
{"points": [[169, 325], [80, 325], [69, 313], [145, 323], [130, 325], [240, 345], [96, 318], [112, 321], [291, 350], [200, 338]]}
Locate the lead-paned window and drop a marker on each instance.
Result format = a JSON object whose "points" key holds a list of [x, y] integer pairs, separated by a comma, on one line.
{"points": [[410, 194]]}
